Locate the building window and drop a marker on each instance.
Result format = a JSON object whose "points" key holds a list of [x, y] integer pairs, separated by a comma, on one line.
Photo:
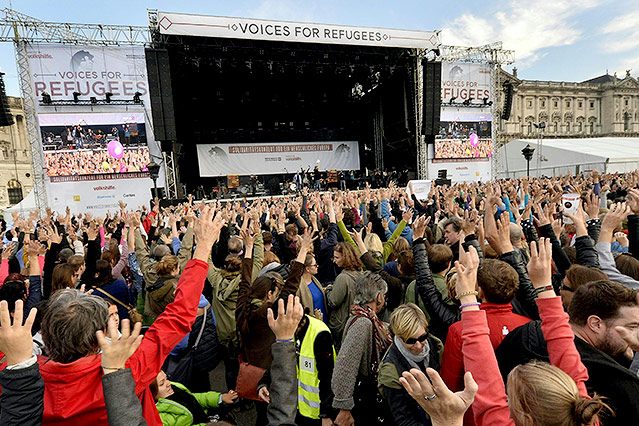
{"points": [[529, 103], [556, 127], [626, 121], [567, 103], [556, 104], [580, 104], [14, 190], [529, 128], [592, 127], [543, 103], [580, 127], [626, 102], [592, 105]]}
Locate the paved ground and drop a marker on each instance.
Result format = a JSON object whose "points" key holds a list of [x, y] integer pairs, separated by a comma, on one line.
{"points": [[245, 411]]}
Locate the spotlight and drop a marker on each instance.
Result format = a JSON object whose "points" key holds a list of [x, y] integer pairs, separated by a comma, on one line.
{"points": [[108, 96], [46, 98], [490, 103], [452, 100], [93, 100], [136, 97], [485, 100], [76, 96], [467, 102]]}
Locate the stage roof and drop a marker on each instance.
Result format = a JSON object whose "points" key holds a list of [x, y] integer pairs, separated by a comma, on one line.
{"points": [[560, 156]]}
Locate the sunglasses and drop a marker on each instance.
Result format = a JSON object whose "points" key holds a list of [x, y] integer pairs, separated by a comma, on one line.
{"points": [[420, 339]]}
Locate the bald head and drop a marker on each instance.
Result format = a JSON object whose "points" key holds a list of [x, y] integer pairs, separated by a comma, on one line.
{"points": [[516, 234], [160, 251]]}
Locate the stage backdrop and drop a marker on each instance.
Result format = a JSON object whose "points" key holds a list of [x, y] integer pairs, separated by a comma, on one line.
{"points": [[82, 171], [276, 158]]}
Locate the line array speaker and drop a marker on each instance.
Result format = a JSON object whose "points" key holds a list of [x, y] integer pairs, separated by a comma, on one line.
{"points": [[432, 97], [508, 102], [161, 94]]}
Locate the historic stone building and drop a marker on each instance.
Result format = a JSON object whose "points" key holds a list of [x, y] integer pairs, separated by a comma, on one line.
{"points": [[16, 166], [602, 106]]}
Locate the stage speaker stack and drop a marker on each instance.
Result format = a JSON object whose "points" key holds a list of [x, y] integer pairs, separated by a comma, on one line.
{"points": [[441, 178], [6, 119], [161, 94], [508, 101], [432, 97]]}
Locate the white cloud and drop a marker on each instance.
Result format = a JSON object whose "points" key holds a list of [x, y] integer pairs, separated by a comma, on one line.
{"points": [[622, 33], [525, 26]]}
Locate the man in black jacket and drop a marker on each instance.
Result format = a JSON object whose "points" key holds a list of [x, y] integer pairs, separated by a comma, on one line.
{"points": [[598, 309]]}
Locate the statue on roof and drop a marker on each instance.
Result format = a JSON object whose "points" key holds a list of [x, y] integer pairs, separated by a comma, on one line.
{"points": [[628, 72]]}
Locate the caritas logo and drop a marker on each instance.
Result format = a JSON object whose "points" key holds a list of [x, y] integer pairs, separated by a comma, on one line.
{"points": [[104, 188]]}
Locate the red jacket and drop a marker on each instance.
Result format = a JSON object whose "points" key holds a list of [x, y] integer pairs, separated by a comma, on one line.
{"points": [[73, 392], [146, 223], [501, 320], [491, 406]]}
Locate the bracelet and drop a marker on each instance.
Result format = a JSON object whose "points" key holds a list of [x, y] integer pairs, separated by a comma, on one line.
{"points": [[548, 287], [467, 293], [461, 308], [113, 368], [284, 340]]}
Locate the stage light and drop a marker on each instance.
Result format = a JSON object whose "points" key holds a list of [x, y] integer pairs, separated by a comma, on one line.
{"points": [[467, 102], [452, 100], [76, 96], [46, 98], [136, 97], [108, 96], [93, 100], [485, 100]]}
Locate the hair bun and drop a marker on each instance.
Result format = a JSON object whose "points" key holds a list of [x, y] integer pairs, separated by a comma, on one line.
{"points": [[587, 409]]}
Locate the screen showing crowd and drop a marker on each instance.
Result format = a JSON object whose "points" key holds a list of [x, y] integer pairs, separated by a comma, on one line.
{"points": [[463, 148], [95, 161]]}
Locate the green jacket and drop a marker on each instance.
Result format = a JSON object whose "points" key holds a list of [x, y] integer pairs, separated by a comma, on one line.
{"points": [[412, 296], [175, 414]]}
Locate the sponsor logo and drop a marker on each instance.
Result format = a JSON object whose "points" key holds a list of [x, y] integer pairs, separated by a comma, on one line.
{"points": [[104, 188], [75, 198], [101, 197], [128, 195], [40, 56]]}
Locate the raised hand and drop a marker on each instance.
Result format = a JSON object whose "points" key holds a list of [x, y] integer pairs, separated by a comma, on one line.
{"points": [[407, 215], [8, 250], [467, 266], [287, 320], [540, 265], [15, 339], [446, 408], [116, 353]]}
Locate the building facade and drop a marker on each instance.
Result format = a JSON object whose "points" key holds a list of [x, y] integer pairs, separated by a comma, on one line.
{"points": [[16, 165], [603, 106]]}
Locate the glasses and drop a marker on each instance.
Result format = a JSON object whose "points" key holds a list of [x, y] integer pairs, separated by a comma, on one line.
{"points": [[413, 340], [565, 287]]}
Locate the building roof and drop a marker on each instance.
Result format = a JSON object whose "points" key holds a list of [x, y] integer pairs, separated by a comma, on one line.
{"points": [[606, 78]]}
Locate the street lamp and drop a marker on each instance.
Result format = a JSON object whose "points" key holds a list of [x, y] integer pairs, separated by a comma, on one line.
{"points": [[154, 171], [528, 155]]}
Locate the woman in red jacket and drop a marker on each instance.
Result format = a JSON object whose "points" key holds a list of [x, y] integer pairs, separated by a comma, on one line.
{"points": [[538, 393]]}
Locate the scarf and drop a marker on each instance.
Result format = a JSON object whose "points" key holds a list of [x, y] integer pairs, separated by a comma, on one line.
{"points": [[411, 357], [381, 336]]}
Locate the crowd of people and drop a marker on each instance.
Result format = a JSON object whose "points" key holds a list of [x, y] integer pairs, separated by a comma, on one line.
{"points": [[81, 136], [484, 304], [95, 161], [463, 148]]}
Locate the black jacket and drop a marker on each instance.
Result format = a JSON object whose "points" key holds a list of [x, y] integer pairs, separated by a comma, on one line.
{"points": [[524, 301], [606, 376], [396, 285], [22, 399], [442, 315], [406, 411]]}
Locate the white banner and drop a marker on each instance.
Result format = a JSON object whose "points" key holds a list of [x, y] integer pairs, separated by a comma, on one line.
{"points": [[93, 71], [259, 29], [463, 81], [275, 158], [99, 196], [421, 188], [466, 171]]}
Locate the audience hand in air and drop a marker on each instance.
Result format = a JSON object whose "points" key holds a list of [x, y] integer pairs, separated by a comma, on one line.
{"points": [[116, 353], [15, 338]]}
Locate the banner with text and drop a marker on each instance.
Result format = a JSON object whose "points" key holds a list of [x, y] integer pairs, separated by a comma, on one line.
{"points": [[259, 29], [276, 158], [93, 146], [463, 81]]}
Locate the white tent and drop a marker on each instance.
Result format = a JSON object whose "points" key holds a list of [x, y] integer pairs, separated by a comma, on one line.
{"points": [[553, 157], [27, 204]]}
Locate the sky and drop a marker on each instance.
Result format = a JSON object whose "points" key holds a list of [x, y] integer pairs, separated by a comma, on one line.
{"points": [[560, 40]]}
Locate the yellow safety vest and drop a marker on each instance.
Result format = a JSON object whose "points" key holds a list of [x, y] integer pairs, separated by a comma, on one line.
{"points": [[308, 394]]}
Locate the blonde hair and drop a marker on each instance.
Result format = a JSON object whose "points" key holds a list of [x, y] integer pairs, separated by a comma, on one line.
{"points": [[451, 284], [373, 243], [540, 394], [406, 320]]}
